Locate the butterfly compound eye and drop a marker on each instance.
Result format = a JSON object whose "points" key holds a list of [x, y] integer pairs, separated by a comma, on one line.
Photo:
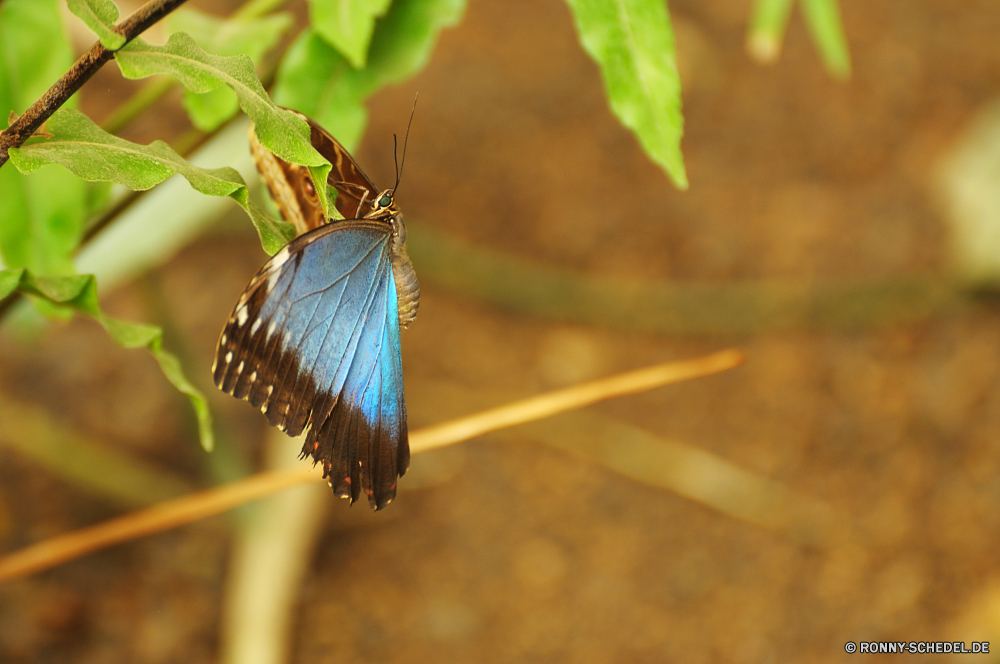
{"points": [[385, 201]]}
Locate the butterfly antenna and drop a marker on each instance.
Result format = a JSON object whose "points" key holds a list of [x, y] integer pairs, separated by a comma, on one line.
{"points": [[395, 158], [399, 165]]}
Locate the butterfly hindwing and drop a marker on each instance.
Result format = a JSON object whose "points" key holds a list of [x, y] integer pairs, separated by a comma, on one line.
{"points": [[314, 343]]}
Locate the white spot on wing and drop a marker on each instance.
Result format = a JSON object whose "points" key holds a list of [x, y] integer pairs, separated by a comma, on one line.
{"points": [[242, 315], [256, 326], [229, 357], [239, 369], [253, 377], [270, 329], [280, 258], [224, 339]]}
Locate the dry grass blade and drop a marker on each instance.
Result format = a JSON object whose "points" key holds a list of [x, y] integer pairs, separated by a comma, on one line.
{"points": [[203, 504], [578, 396], [166, 515]]}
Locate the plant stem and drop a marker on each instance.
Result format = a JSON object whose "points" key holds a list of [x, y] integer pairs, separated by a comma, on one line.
{"points": [[80, 73], [150, 93]]}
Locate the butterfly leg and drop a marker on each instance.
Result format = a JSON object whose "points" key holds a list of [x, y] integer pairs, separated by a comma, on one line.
{"points": [[363, 197], [346, 187]]}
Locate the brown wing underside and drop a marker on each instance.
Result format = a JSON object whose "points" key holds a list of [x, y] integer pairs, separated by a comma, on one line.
{"points": [[293, 190], [352, 183]]}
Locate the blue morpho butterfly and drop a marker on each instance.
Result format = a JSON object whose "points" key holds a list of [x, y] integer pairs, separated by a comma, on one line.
{"points": [[314, 339]]}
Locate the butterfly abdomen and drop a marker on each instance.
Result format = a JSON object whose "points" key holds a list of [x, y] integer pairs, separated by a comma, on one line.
{"points": [[407, 286]]}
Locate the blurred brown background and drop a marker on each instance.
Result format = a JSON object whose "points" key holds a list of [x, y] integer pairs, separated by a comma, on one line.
{"points": [[512, 550]]}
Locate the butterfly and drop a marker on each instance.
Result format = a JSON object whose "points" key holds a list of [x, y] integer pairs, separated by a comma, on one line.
{"points": [[313, 341]]}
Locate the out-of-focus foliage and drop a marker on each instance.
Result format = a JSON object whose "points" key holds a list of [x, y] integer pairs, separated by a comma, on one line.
{"points": [[668, 307], [320, 82], [84, 462], [823, 20], [347, 25], [770, 19], [767, 28], [40, 216]]}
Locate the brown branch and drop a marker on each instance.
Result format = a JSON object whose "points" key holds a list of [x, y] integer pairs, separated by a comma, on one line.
{"points": [[80, 73]]}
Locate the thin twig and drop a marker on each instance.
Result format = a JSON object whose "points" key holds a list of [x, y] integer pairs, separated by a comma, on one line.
{"points": [[80, 73], [578, 396], [203, 504], [166, 515]]}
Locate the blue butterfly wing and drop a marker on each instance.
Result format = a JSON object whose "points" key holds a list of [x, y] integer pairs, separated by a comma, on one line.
{"points": [[377, 419], [314, 343]]}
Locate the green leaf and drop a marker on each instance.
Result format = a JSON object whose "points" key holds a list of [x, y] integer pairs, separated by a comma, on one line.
{"points": [[100, 16], [252, 37], [347, 25], [321, 83], [283, 133], [79, 293], [40, 216], [633, 44], [823, 20], [95, 155], [274, 233], [767, 29]]}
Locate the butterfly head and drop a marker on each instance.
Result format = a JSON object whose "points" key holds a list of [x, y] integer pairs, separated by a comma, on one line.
{"points": [[383, 205]]}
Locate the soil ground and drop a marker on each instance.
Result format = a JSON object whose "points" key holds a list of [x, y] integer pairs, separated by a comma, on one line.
{"points": [[523, 553]]}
